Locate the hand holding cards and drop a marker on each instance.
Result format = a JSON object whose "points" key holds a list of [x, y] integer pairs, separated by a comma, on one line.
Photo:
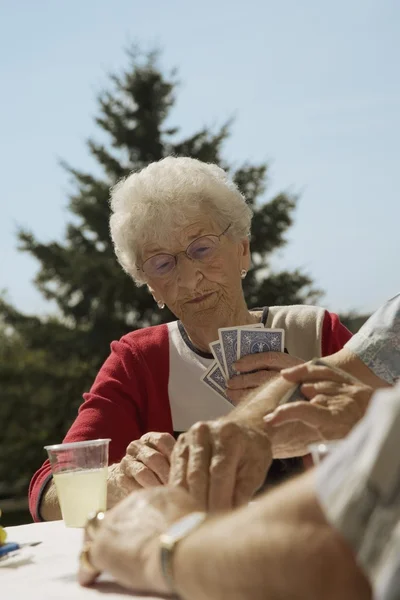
{"points": [[234, 343]]}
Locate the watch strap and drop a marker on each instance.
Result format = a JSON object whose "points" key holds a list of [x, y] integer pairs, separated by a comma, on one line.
{"points": [[169, 540]]}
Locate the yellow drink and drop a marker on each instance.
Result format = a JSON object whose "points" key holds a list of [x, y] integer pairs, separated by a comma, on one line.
{"points": [[81, 492]]}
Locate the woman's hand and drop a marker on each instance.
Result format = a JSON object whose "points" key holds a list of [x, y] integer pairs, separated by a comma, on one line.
{"points": [[126, 544], [337, 401], [220, 463], [145, 464], [256, 370]]}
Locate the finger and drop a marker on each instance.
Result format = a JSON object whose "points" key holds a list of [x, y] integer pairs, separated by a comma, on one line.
{"points": [[198, 466], [179, 463], [308, 372], [262, 360], [88, 570], [222, 482], [161, 441], [155, 461], [311, 414], [223, 467], [321, 400], [125, 485], [251, 473], [107, 553], [344, 414], [331, 388], [250, 380], [249, 479], [139, 472], [292, 438]]}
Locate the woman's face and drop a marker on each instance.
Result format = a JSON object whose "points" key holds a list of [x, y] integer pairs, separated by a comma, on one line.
{"points": [[199, 291]]}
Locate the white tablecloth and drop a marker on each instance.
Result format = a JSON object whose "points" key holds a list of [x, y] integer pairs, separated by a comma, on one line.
{"points": [[48, 571]]}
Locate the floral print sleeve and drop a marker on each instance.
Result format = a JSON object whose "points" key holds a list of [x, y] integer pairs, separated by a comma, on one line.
{"points": [[377, 343], [358, 487]]}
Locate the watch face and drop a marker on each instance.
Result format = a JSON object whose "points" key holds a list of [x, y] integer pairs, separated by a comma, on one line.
{"points": [[183, 526]]}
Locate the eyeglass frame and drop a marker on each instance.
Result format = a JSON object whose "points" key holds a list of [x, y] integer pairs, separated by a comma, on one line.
{"points": [[175, 256]]}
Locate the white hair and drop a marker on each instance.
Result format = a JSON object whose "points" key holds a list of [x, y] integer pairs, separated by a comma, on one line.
{"points": [[155, 202]]}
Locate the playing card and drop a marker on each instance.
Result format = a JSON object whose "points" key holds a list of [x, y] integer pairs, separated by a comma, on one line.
{"points": [[218, 355], [214, 379], [228, 337], [251, 341], [215, 374]]}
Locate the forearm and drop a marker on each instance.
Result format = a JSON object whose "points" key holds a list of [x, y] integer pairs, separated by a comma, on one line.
{"points": [[49, 507], [349, 362], [252, 409], [285, 549]]}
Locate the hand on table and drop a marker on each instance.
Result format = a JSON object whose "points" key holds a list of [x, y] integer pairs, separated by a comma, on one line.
{"points": [[337, 401], [126, 544], [145, 464], [256, 370], [220, 463]]}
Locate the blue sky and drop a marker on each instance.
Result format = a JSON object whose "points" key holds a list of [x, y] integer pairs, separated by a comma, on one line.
{"points": [[314, 86]]}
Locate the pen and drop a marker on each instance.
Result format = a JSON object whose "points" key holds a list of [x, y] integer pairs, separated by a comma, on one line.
{"points": [[13, 546]]}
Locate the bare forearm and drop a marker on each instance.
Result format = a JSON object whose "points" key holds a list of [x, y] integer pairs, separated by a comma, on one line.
{"points": [[252, 409], [49, 507], [349, 362], [282, 548]]}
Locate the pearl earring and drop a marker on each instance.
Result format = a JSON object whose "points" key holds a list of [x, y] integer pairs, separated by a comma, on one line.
{"points": [[243, 273], [160, 304]]}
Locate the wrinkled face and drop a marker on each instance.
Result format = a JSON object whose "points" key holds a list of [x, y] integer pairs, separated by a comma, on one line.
{"points": [[198, 290]]}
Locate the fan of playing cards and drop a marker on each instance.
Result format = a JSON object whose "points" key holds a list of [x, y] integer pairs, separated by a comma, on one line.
{"points": [[235, 342]]}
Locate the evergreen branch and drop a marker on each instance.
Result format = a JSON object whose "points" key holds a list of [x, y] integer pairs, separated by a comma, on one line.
{"points": [[204, 145], [251, 181], [270, 223], [281, 289], [114, 169]]}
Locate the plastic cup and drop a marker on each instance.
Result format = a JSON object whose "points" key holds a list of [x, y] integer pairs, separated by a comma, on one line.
{"points": [[80, 475], [321, 450]]}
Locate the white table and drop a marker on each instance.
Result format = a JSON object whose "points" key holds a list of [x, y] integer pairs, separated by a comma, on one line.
{"points": [[48, 571]]}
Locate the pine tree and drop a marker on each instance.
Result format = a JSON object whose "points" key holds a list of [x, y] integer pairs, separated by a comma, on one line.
{"points": [[97, 302]]}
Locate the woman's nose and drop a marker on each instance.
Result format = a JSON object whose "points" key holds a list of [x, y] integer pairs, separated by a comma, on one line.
{"points": [[188, 274]]}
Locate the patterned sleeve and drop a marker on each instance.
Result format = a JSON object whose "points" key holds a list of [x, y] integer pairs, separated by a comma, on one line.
{"points": [[377, 343], [358, 487]]}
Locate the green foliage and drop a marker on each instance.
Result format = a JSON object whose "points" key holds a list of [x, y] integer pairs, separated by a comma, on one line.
{"points": [[354, 321], [40, 392], [46, 363]]}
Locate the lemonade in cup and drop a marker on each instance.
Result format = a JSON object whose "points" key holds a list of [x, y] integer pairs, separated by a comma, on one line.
{"points": [[80, 475]]}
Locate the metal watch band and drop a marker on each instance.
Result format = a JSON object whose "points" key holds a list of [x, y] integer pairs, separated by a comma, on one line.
{"points": [[169, 540]]}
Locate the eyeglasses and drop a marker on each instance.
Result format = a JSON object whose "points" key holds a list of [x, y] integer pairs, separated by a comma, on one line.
{"points": [[201, 249]]}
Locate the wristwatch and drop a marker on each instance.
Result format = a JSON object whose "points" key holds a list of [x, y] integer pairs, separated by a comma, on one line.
{"points": [[169, 540]]}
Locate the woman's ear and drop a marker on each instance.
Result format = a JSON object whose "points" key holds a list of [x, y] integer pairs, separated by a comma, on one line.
{"points": [[152, 292], [160, 303], [245, 259]]}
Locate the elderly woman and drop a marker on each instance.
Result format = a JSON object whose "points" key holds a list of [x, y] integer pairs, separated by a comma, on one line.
{"points": [[182, 228]]}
